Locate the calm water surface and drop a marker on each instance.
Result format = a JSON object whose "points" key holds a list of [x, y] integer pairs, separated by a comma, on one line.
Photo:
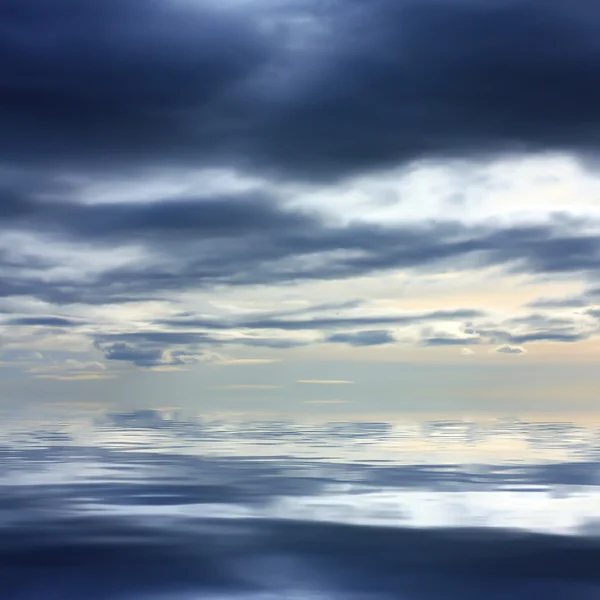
{"points": [[165, 504]]}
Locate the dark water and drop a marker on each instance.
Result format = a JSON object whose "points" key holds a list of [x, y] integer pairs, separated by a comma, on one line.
{"points": [[166, 505]]}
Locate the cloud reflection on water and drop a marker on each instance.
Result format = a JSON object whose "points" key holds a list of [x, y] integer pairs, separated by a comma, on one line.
{"points": [[150, 502]]}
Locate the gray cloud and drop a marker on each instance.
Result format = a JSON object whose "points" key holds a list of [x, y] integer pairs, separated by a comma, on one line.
{"points": [[43, 322], [153, 348], [537, 336], [550, 337], [518, 331], [120, 87], [566, 302], [270, 322], [539, 320], [157, 337], [111, 84], [253, 239], [212, 217], [140, 357], [373, 337], [149, 348], [589, 296], [323, 307], [450, 341], [148, 355], [247, 240], [173, 348], [275, 343], [510, 350]]}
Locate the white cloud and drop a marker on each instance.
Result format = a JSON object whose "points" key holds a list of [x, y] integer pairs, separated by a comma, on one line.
{"points": [[248, 361], [246, 387], [326, 381], [83, 376]]}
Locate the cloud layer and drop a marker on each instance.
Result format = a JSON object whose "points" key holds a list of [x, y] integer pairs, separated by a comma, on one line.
{"points": [[193, 182], [300, 89]]}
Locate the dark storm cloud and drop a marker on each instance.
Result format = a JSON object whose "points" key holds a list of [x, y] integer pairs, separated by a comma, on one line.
{"points": [[372, 337], [173, 219], [114, 84], [106, 81]]}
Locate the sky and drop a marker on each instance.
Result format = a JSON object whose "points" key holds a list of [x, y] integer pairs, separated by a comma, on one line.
{"points": [[300, 205]]}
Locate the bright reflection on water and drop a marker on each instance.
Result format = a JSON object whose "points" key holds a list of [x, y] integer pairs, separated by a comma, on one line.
{"points": [[166, 504]]}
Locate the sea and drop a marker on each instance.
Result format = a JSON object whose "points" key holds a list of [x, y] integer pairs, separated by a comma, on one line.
{"points": [[170, 504]]}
